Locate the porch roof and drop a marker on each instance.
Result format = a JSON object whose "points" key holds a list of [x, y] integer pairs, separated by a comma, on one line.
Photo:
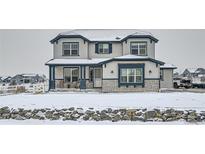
{"points": [[168, 66], [133, 58], [93, 61], [99, 61]]}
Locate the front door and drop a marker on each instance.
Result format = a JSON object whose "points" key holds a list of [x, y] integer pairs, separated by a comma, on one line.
{"points": [[97, 77]]}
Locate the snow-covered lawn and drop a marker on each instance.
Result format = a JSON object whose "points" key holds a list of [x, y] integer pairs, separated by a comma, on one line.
{"points": [[105, 100], [175, 100]]}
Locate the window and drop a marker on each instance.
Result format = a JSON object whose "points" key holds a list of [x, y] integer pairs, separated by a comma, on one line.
{"points": [[139, 48], [71, 74], [70, 49], [131, 75], [103, 48]]}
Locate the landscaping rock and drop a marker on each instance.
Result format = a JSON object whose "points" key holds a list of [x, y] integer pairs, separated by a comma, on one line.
{"points": [[86, 117], [116, 118], [71, 109], [149, 115], [4, 110], [18, 117]]}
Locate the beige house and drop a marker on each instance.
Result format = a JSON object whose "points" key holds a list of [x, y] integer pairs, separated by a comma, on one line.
{"points": [[109, 60]]}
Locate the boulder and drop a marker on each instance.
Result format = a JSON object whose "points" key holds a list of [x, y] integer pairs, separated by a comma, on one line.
{"points": [[67, 117], [192, 116], [89, 112], [150, 115], [109, 110], [104, 116], [71, 109], [125, 117], [139, 113], [28, 115], [5, 116], [86, 117], [4, 110], [96, 117], [116, 118], [18, 117], [138, 118]]}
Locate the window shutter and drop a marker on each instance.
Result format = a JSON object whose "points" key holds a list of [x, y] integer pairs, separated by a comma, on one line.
{"points": [[110, 48], [96, 47]]}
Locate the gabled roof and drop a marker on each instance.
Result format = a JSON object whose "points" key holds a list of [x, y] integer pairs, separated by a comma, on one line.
{"points": [[102, 35], [191, 70]]}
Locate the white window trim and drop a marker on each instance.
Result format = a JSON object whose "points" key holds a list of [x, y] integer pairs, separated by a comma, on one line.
{"points": [[70, 49], [104, 49], [135, 75], [71, 74], [138, 48]]}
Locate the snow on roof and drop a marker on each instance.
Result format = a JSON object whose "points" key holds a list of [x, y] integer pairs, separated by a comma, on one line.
{"points": [[106, 34], [192, 70], [29, 75], [171, 66], [201, 75], [76, 61], [131, 57], [98, 60], [5, 77]]}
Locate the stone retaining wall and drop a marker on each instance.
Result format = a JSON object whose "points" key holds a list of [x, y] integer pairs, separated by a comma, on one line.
{"points": [[108, 114]]}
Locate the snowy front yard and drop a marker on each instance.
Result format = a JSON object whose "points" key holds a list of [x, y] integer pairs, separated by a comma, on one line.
{"points": [[100, 101], [105, 100]]}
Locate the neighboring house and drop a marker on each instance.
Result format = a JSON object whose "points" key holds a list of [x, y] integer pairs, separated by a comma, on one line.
{"points": [[189, 72], [193, 72], [26, 79], [200, 72], [5, 79], [111, 60]]}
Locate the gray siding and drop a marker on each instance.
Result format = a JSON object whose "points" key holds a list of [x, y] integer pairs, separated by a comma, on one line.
{"points": [[87, 50]]}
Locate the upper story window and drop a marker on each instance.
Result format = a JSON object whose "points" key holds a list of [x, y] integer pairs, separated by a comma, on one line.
{"points": [[70, 49], [103, 48], [138, 48]]}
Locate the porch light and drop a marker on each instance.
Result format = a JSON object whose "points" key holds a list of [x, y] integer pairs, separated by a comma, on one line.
{"points": [[112, 72], [150, 71]]}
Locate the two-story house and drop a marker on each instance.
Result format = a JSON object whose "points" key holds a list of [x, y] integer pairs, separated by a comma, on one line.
{"points": [[107, 59]]}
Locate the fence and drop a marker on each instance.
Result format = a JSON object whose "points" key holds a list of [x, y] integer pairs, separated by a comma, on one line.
{"points": [[29, 88]]}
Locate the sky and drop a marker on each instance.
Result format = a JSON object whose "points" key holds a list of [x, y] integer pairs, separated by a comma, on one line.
{"points": [[26, 51]]}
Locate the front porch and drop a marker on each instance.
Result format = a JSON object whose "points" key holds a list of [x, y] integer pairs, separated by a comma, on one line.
{"points": [[75, 77]]}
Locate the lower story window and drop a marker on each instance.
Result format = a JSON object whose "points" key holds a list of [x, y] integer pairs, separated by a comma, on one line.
{"points": [[132, 74], [71, 74]]}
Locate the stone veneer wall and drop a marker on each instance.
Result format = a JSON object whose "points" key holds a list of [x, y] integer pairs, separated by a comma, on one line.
{"points": [[112, 86], [89, 84]]}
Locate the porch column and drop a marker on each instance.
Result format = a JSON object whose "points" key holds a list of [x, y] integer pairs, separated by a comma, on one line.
{"points": [[49, 86], [51, 77], [54, 83], [82, 77]]}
